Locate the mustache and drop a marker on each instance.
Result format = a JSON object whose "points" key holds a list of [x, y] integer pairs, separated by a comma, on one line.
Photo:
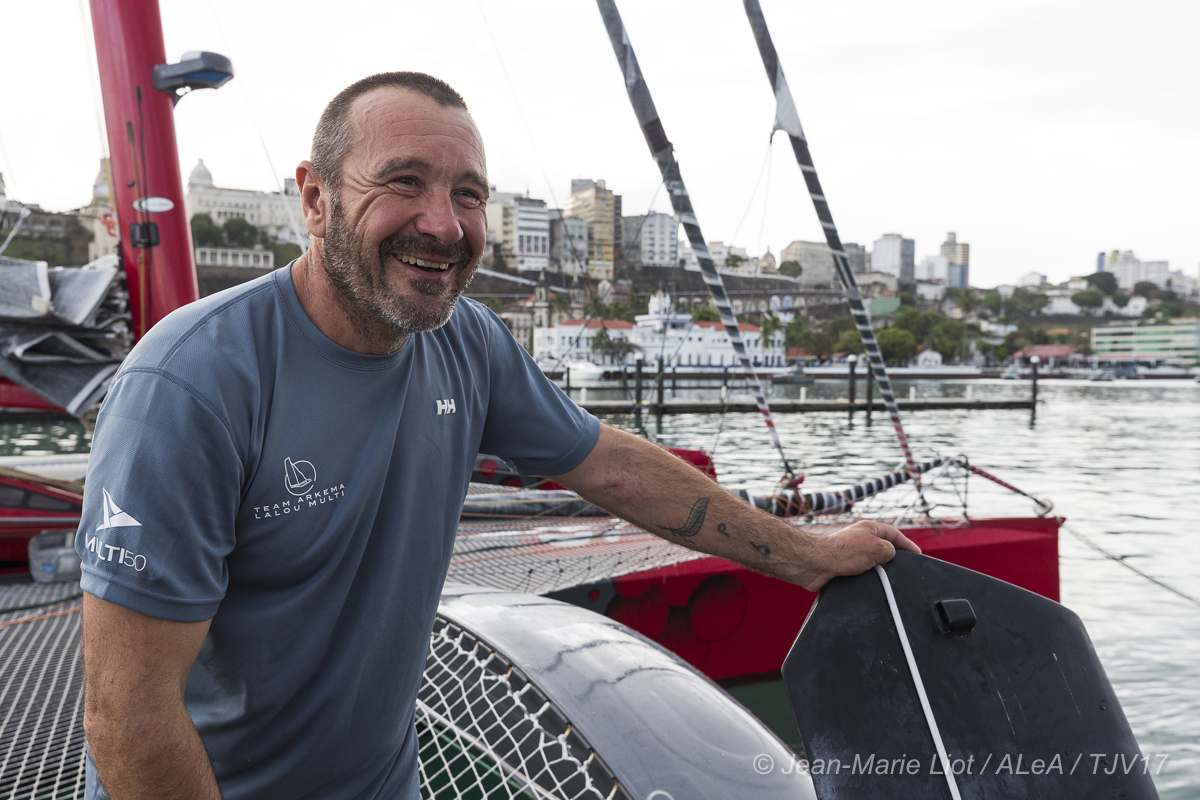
{"points": [[424, 244]]}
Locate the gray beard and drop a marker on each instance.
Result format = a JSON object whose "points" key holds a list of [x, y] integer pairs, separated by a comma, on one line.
{"points": [[376, 310]]}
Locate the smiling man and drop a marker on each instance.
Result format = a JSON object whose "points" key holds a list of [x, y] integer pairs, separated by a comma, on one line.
{"points": [[278, 470]]}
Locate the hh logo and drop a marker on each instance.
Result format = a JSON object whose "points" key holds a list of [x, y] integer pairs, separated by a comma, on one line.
{"points": [[445, 407]]}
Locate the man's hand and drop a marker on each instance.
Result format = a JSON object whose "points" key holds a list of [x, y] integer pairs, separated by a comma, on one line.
{"points": [[654, 490], [141, 737], [853, 549]]}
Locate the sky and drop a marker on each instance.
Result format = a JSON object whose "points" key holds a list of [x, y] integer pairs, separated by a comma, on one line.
{"points": [[1040, 132]]}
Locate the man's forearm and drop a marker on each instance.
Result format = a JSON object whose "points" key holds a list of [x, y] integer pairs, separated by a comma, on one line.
{"points": [[653, 489], [645, 484], [141, 756]]}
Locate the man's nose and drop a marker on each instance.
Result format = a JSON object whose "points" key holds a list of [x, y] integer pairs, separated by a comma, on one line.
{"points": [[439, 219]]}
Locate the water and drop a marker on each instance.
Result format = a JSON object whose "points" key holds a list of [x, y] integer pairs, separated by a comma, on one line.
{"points": [[1121, 461]]}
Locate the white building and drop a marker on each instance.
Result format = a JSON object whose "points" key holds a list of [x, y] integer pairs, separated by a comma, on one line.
{"points": [[97, 217], [933, 268], [568, 243], [816, 263], [1130, 271], [519, 227], [681, 341], [278, 214], [235, 257], [894, 255], [652, 240], [1032, 280]]}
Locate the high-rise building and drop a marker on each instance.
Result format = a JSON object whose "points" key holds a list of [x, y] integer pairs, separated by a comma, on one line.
{"points": [[1100, 262], [568, 243], [651, 240], [933, 268], [894, 255], [519, 227], [857, 256], [595, 205], [956, 252], [958, 276], [1130, 271]]}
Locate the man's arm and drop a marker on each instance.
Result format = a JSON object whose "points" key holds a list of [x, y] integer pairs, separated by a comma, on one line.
{"points": [[643, 483], [141, 737]]}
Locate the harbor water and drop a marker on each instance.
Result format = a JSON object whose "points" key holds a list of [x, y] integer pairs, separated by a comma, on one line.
{"points": [[1120, 460]]}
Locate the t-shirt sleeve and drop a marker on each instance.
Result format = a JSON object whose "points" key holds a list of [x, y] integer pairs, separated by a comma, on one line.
{"points": [[162, 493], [530, 421]]}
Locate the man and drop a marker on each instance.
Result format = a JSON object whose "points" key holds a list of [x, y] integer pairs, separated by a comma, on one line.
{"points": [[278, 470]]}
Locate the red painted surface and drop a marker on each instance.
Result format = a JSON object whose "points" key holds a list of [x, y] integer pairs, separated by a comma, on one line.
{"points": [[15, 397], [729, 621], [27, 509], [145, 160]]}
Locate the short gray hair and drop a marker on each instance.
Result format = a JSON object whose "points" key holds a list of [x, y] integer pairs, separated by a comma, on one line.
{"points": [[334, 137]]}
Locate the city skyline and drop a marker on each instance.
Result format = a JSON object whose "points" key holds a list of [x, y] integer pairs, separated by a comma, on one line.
{"points": [[1016, 127]]}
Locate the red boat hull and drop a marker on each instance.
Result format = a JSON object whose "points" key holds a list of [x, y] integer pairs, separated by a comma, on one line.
{"points": [[729, 621]]}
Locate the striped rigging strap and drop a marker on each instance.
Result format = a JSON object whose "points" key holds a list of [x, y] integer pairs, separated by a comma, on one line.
{"points": [[787, 119], [793, 503], [664, 155]]}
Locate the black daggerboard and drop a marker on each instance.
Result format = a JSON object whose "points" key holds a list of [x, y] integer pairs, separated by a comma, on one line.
{"points": [[1017, 692]]}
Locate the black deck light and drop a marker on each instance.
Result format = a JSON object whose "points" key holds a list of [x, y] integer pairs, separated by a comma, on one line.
{"points": [[196, 70]]}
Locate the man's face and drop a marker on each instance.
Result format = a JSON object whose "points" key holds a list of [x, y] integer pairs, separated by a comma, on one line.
{"points": [[408, 226]]}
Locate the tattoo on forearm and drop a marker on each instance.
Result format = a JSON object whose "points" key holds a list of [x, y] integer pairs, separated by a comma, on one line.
{"points": [[762, 549], [721, 529], [694, 522]]}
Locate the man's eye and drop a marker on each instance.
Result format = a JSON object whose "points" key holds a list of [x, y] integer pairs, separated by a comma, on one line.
{"points": [[406, 180]]}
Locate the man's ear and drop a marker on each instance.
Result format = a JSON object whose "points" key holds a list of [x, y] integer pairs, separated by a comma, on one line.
{"points": [[314, 199]]}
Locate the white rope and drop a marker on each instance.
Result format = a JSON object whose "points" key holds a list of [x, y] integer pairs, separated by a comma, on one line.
{"points": [[916, 676]]}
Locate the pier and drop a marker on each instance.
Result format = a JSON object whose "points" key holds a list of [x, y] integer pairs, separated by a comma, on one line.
{"points": [[742, 404]]}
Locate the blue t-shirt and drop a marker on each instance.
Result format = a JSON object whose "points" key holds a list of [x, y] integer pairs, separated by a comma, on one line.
{"points": [[305, 497]]}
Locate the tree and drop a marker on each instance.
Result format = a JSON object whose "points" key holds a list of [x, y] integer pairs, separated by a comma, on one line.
{"points": [[1120, 299], [733, 260], [1090, 299], [240, 233], [849, 342], [616, 349], [701, 314], [285, 252], [495, 304], [205, 232], [791, 268], [1106, 282], [896, 345], [770, 326], [1145, 288]]}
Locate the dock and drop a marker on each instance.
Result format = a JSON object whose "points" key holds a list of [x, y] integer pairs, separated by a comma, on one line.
{"points": [[784, 406]]}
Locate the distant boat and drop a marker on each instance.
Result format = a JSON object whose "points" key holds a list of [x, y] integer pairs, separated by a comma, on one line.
{"points": [[1102, 375], [794, 376], [585, 373]]}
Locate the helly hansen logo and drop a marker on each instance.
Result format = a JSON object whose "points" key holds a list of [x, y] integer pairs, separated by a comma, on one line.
{"points": [[445, 407]]}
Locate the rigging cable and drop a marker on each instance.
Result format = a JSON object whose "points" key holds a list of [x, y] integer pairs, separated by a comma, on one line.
{"points": [[1121, 560], [787, 119], [664, 154]]}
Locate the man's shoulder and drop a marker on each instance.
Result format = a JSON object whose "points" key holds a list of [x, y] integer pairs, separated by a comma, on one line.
{"points": [[217, 326]]}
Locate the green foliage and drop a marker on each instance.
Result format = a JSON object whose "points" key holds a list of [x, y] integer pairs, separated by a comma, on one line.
{"points": [[1088, 298], [66, 247], [1023, 304], [1120, 299], [791, 268], [949, 337], [240, 233], [1145, 288], [839, 325], [205, 232], [849, 342], [896, 345], [770, 326], [560, 301], [285, 252], [919, 323], [1105, 282], [495, 304], [617, 349], [732, 260], [702, 314]]}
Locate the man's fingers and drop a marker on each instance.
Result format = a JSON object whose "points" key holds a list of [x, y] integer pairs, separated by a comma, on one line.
{"points": [[893, 535]]}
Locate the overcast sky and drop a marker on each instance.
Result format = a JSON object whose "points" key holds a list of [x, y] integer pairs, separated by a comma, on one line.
{"points": [[1041, 132]]}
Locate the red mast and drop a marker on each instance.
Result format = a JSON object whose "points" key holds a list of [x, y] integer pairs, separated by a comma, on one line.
{"points": [[156, 244]]}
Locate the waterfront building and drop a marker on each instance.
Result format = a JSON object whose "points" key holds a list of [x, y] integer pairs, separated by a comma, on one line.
{"points": [[1174, 342], [253, 258], [520, 230], [894, 255], [593, 203], [681, 341], [816, 263], [279, 215], [651, 240]]}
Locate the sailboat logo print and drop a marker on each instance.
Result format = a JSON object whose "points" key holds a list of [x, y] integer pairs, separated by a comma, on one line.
{"points": [[298, 476], [114, 517]]}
